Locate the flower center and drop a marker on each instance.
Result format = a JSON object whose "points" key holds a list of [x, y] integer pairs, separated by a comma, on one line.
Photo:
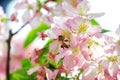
{"points": [[91, 42], [82, 10], [76, 50], [83, 27], [100, 69], [118, 42], [113, 59]]}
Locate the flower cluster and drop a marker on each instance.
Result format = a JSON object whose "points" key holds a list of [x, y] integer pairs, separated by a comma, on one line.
{"points": [[78, 48]]}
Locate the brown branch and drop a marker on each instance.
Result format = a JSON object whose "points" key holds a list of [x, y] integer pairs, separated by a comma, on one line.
{"points": [[9, 47], [8, 55]]}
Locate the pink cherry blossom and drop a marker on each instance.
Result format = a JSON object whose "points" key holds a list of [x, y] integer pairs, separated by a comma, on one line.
{"points": [[41, 73], [77, 7], [74, 40], [90, 73], [73, 59], [62, 54]]}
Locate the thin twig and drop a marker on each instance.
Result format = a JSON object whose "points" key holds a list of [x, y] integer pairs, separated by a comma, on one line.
{"points": [[26, 23], [21, 27]]}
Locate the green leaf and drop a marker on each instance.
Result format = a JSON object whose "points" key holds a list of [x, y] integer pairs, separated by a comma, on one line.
{"points": [[30, 38], [94, 22], [34, 32], [43, 59], [26, 63], [80, 72], [105, 30], [54, 64], [44, 51], [43, 55], [43, 26], [48, 43], [21, 74], [46, 47]]}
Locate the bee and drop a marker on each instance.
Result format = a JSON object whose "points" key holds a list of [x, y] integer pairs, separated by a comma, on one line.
{"points": [[63, 40], [64, 45]]}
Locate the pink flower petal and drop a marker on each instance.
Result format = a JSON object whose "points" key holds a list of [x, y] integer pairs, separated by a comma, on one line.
{"points": [[35, 22], [54, 45], [70, 61], [113, 69], [26, 16], [73, 40], [51, 75], [21, 5], [32, 70]]}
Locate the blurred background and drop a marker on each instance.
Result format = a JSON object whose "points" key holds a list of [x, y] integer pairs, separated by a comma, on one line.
{"points": [[4, 3]]}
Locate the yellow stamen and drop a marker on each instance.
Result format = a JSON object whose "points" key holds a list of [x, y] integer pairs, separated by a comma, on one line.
{"points": [[100, 69], [82, 10], [91, 42], [83, 27], [66, 34], [30, 7], [118, 42], [76, 50], [113, 59]]}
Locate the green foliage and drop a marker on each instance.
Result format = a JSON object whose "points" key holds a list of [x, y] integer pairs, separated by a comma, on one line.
{"points": [[21, 74], [46, 47], [94, 22], [34, 32], [59, 1], [30, 38], [48, 43], [43, 55], [44, 51], [43, 60], [43, 26], [62, 78], [26, 63], [39, 4], [54, 64], [105, 30], [80, 72]]}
